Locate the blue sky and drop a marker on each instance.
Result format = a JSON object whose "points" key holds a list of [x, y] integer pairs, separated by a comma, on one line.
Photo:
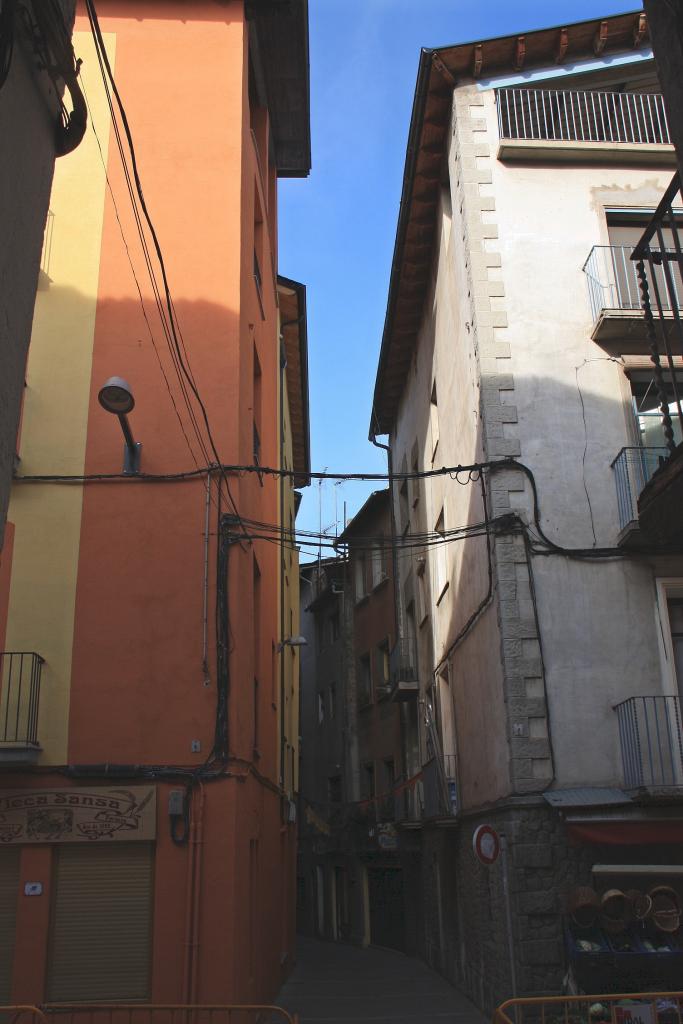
{"points": [[338, 225]]}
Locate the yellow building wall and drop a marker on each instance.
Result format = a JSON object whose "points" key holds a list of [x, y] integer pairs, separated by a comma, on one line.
{"points": [[47, 517]]}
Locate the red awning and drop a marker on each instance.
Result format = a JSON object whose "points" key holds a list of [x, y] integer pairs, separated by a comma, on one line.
{"points": [[625, 833]]}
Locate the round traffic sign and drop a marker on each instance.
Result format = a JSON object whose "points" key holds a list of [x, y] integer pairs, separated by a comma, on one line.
{"points": [[486, 844]]}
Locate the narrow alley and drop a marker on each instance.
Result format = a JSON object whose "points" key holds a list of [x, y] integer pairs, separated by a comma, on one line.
{"points": [[334, 982]]}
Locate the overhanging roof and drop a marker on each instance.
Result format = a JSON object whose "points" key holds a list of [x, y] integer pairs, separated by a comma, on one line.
{"points": [[439, 71], [376, 503], [292, 299], [279, 49]]}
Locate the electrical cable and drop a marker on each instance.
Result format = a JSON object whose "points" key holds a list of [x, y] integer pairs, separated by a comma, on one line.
{"points": [[543, 545], [178, 342], [488, 597], [137, 284], [45, 25], [148, 260]]}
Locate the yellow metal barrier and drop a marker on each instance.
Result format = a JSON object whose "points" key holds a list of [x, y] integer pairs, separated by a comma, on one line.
{"points": [[167, 1013], [22, 1015], [622, 1008]]}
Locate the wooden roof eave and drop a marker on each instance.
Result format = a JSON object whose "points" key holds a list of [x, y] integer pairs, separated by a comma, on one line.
{"points": [[439, 71]]}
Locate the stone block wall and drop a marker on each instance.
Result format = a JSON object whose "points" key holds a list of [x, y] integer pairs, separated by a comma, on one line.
{"points": [[542, 867]]}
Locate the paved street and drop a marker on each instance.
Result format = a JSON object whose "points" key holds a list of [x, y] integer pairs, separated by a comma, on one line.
{"points": [[335, 983]]}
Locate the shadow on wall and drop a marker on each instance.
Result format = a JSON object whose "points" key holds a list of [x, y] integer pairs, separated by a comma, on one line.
{"points": [[561, 641], [108, 580]]}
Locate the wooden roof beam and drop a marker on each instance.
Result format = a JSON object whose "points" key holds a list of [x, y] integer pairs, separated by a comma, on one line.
{"points": [[477, 60], [520, 53], [442, 69], [600, 40], [639, 29], [562, 44]]}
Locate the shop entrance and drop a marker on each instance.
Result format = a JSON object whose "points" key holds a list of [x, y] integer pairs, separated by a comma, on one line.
{"points": [[9, 885], [387, 916]]}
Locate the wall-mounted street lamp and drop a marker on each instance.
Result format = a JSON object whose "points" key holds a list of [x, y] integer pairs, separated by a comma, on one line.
{"points": [[292, 641], [116, 397]]}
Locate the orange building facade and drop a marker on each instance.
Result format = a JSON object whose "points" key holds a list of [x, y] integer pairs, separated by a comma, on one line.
{"points": [[148, 734]]}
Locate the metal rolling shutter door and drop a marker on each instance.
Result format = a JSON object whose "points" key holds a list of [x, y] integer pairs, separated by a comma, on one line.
{"points": [[9, 885], [100, 933]]}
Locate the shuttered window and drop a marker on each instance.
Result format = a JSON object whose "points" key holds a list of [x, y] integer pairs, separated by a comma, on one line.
{"points": [[100, 934], [9, 886]]}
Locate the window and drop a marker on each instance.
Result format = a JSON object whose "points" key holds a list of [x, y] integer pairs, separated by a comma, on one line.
{"points": [[434, 421], [256, 578], [382, 675], [368, 781], [386, 808], [378, 573], [256, 411], [332, 700], [414, 482], [403, 502], [360, 576], [625, 228], [321, 709], [649, 428], [367, 785], [259, 254], [364, 682], [422, 596], [256, 722], [334, 789], [292, 537], [675, 606], [441, 557]]}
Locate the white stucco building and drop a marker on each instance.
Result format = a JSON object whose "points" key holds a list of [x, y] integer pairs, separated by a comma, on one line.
{"points": [[547, 633]]}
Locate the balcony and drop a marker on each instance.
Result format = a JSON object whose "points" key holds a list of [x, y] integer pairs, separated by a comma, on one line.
{"points": [[407, 807], [632, 469], [439, 785], [615, 300], [597, 127], [403, 670], [651, 741], [20, 673], [660, 265]]}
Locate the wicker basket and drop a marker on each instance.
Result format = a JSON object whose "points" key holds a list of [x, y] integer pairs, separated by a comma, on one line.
{"points": [[616, 911], [666, 908], [583, 905], [641, 903]]}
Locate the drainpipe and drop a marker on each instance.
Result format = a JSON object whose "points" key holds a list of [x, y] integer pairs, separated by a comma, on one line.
{"points": [[189, 900], [205, 615], [283, 365], [398, 611], [197, 840], [398, 604]]}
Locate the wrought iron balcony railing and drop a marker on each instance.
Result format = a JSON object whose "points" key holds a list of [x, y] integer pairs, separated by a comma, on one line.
{"points": [[20, 673], [408, 805], [632, 468], [651, 741], [439, 785], [613, 283], [403, 668], [658, 259], [579, 116]]}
